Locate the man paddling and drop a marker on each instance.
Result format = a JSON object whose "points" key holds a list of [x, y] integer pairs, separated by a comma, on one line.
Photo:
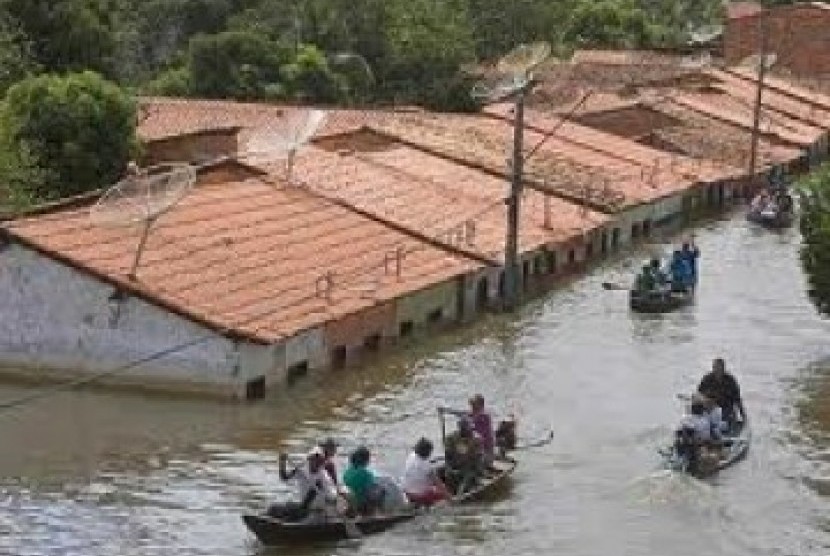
{"points": [[315, 491], [724, 390]]}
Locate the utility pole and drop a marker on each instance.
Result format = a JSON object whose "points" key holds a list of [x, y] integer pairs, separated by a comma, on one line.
{"points": [[511, 250], [762, 70]]}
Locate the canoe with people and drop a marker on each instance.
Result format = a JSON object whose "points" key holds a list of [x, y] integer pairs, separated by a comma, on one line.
{"points": [[660, 288], [715, 432], [363, 501], [772, 208]]}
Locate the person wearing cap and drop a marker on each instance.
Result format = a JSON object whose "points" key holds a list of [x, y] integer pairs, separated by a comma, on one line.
{"points": [[421, 482], [362, 482], [315, 490], [329, 447]]}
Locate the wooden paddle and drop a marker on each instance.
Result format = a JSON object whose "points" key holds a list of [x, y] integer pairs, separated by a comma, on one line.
{"points": [[544, 441], [614, 287]]}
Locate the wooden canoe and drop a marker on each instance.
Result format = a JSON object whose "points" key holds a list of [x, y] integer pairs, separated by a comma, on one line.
{"points": [[735, 449], [272, 531], [658, 301]]}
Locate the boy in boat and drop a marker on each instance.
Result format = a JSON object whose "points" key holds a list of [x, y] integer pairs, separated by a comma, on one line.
{"points": [[421, 483], [329, 447], [482, 424], [366, 493], [464, 457], [724, 390], [315, 490]]}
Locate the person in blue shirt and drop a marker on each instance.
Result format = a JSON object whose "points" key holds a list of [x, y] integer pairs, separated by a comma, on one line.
{"points": [[681, 272], [691, 253]]}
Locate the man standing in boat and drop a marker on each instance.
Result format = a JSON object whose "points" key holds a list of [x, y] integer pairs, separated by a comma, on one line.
{"points": [[691, 253], [724, 390], [482, 424]]}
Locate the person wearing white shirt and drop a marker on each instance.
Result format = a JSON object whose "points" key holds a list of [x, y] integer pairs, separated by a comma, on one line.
{"points": [[420, 480], [315, 489]]}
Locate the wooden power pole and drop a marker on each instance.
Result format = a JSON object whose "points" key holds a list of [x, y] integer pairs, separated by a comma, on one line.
{"points": [[762, 70]]}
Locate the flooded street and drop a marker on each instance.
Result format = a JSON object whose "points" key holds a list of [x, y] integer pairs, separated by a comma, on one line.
{"points": [[94, 473]]}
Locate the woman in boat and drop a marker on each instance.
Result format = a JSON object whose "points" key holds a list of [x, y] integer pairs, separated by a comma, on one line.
{"points": [[366, 494], [421, 483], [315, 490]]}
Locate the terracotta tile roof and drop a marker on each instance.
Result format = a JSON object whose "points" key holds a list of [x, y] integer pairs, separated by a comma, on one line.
{"points": [[736, 112], [249, 258], [162, 118], [658, 165], [571, 171], [737, 10], [784, 86], [430, 195], [746, 90]]}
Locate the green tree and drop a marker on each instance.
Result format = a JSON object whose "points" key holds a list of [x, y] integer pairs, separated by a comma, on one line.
{"points": [[235, 64], [309, 77], [815, 231], [67, 35], [609, 23], [15, 56], [64, 135]]}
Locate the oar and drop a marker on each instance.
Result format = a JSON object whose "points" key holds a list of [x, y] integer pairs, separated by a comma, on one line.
{"points": [[614, 287], [544, 441]]}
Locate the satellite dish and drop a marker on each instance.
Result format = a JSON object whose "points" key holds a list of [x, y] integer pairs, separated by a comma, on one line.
{"points": [[142, 198], [753, 62], [705, 34], [514, 72], [696, 61], [286, 137]]}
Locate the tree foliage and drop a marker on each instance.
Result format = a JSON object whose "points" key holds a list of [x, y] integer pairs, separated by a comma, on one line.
{"points": [[64, 135], [815, 230]]}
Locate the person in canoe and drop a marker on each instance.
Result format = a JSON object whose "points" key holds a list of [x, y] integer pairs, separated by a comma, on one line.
{"points": [[652, 277], [329, 447], [681, 272], [722, 387], [421, 482], [691, 253], [464, 457], [365, 492], [482, 424], [315, 491], [698, 438]]}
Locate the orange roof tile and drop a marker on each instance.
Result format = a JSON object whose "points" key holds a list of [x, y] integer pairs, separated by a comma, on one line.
{"points": [[737, 10], [249, 258], [784, 86]]}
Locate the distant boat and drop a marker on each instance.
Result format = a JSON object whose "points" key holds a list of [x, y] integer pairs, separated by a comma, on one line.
{"points": [[779, 215]]}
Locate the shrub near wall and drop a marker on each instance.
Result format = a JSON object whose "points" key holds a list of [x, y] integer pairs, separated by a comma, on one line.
{"points": [[815, 228]]}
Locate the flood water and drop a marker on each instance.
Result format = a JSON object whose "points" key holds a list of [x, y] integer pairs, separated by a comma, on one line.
{"points": [[93, 473]]}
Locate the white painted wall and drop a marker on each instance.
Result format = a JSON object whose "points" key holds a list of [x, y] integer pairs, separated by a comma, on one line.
{"points": [[58, 322]]}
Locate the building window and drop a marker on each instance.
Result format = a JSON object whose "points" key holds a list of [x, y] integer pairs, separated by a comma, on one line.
{"points": [[589, 249], [338, 357], [296, 371], [604, 245], [635, 231], [372, 343], [572, 257], [615, 238], [525, 273], [406, 328], [552, 262], [255, 389], [434, 317], [647, 228], [501, 285], [482, 291], [539, 265]]}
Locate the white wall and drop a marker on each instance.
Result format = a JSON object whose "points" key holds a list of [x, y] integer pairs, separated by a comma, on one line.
{"points": [[58, 322]]}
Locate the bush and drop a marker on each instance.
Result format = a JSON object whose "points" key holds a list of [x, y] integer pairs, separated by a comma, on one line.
{"points": [[65, 135], [815, 229]]}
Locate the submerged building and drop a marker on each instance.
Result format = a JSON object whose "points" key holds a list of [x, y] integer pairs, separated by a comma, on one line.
{"points": [[392, 224]]}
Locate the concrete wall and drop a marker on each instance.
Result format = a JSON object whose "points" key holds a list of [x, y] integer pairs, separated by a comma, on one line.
{"points": [[424, 307], [56, 322], [798, 34], [356, 332]]}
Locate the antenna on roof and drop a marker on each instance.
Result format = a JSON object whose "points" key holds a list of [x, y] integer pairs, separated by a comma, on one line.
{"points": [[286, 137], [142, 198]]}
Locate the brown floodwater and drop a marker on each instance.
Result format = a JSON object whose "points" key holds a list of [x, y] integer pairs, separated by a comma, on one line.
{"points": [[94, 473]]}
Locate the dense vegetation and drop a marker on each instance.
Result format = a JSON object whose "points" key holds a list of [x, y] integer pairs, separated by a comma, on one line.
{"points": [[324, 51], [815, 229]]}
